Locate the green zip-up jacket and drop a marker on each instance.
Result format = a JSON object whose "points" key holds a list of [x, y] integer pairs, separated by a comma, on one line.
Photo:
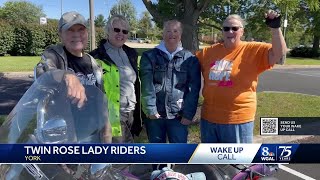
{"points": [[111, 80]]}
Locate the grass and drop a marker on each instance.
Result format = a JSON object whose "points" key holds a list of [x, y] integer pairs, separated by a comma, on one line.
{"points": [[2, 118], [269, 105], [18, 63], [141, 50], [302, 61]]}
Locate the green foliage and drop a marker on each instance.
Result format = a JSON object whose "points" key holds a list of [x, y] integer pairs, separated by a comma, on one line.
{"points": [[156, 34], [127, 9], [220, 9], [100, 34], [31, 39], [301, 18], [171, 9], [21, 45], [51, 32], [145, 24], [100, 21], [37, 39], [27, 39], [18, 12], [2, 118], [304, 52], [6, 37]]}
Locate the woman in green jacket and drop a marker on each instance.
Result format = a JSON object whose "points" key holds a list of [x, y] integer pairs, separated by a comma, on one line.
{"points": [[121, 82]]}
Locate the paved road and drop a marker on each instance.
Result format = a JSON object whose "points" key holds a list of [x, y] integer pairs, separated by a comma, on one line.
{"points": [[298, 80], [11, 90]]}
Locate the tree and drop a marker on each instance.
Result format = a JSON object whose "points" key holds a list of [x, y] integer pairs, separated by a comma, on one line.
{"points": [[310, 8], [6, 37], [100, 21], [145, 25], [216, 13], [126, 8], [17, 12], [310, 20], [186, 11], [195, 13]]}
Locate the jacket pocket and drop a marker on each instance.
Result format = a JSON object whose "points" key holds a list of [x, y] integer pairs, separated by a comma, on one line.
{"points": [[159, 74], [180, 78], [106, 69], [176, 106], [157, 87]]}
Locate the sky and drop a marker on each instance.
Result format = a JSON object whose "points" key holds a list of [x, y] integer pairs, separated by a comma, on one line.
{"points": [[52, 8]]}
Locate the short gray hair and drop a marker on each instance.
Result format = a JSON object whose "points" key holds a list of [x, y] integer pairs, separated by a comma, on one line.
{"points": [[236, 17], [117, 18], [173, 21]]}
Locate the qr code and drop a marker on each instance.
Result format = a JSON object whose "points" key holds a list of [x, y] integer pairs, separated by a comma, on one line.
{"points": [[268, 126]]}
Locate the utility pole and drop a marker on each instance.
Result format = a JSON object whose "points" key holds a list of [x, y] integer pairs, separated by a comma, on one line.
{"points": [[119, 6], [285, 24], [92, 29], [60, 7]]}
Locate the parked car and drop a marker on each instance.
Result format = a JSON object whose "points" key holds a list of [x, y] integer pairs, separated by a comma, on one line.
{"points": [[143, 40], [139, 40], [134, 40]]}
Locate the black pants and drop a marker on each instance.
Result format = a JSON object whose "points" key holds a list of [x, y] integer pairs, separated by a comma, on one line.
{"points": [[126, 120]]}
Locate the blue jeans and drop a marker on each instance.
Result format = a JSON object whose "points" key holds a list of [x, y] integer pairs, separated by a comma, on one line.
{"points": [[158, 129], [226, 133]]}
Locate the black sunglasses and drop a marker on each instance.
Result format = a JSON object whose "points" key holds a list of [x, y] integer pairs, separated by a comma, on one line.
{"points": [[232, 28], [117, 30]]}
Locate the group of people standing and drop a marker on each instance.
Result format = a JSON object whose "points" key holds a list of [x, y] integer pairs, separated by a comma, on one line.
{"points": [[170, 79]]}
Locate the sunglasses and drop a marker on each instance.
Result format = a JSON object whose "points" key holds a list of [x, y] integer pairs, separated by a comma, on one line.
{"points": [[226, 29], [117, 30]]}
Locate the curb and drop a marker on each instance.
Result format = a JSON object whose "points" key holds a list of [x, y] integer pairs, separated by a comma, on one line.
{"points": [[295, 66], [278, 138], [16, 74]]}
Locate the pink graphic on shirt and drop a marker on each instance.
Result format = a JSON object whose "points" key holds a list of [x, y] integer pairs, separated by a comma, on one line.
{"points": [[225, 83], [221, 71]]}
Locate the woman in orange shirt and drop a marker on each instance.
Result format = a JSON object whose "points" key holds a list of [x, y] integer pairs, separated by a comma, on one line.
{"points": [[230, 70]]}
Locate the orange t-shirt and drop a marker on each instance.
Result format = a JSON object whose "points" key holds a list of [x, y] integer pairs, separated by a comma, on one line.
{"points": [[230, 81]]}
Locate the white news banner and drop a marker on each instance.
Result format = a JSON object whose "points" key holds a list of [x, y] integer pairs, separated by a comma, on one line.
{"points": [[224, 153]]}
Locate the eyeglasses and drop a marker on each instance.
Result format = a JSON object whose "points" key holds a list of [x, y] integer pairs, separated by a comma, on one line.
{"points": [[226, 29], [117, 30]]}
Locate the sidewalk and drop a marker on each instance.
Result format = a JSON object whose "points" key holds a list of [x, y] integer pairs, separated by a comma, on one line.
{"points": [[277, 139], [295, 66], [16, 74]]}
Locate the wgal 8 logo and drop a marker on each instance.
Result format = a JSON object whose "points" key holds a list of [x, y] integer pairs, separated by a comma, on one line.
{"points": [[285, 153], [266, 154]]}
